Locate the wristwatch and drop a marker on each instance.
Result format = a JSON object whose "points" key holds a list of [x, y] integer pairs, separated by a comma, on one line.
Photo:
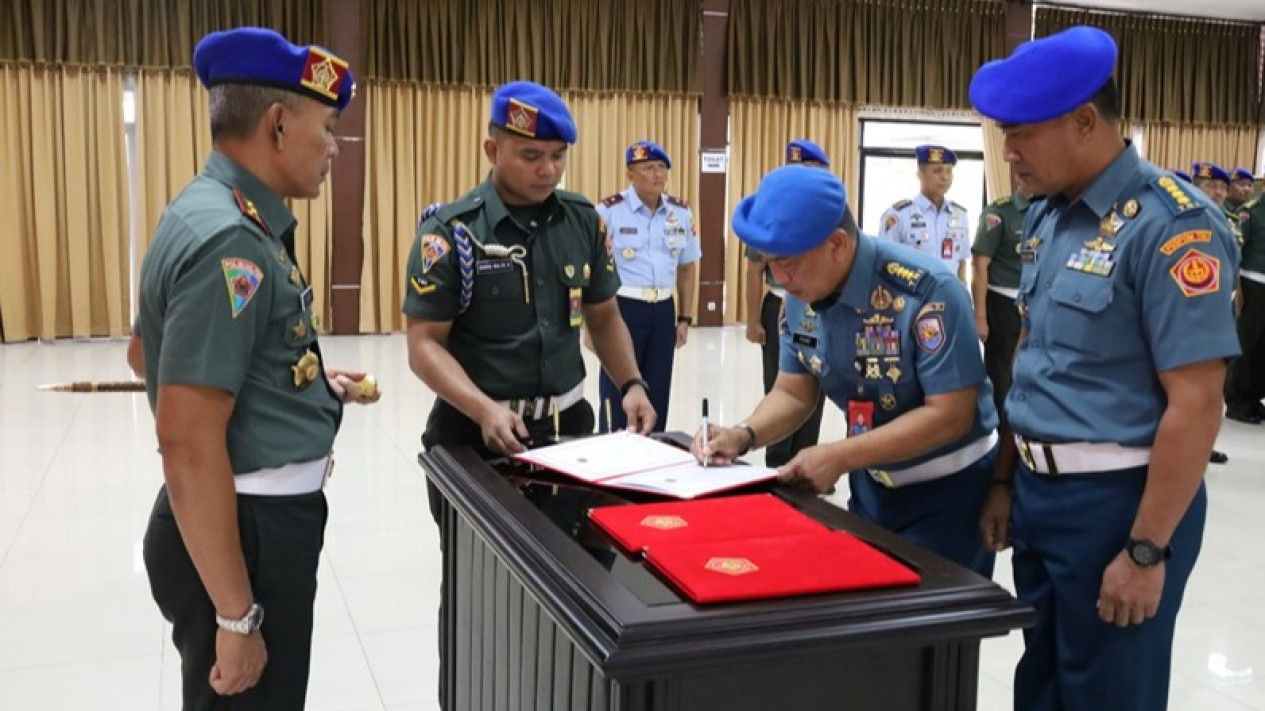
{"points": [[252, 621], [751, 438], [623, 389], [1145, 553], [683, 319]]}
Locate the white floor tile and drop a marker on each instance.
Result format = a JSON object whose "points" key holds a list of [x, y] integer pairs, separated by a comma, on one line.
{"points": [[108, 684]]}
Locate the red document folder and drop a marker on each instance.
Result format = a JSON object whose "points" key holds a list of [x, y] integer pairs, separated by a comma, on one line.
{"points": [[782, 566], [748, 516]]}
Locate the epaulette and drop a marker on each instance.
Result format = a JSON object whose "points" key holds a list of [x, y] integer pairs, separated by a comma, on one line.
{"points": [[1002, 202], [953, 205], [902, 204], [613, 200], [452, 210], [1173, 197], [249, 211], [573, 197], [904, 276], [678, 202]]}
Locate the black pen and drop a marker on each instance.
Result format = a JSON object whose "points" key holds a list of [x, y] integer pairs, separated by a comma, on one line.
{"points": [[706, 456]]}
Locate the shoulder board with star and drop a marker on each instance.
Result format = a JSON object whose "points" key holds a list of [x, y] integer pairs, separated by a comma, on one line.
{"points": [[568, 196], [1002, 202], [902, 275], [613, 200], [902, 204], [678, 202], [956, 206], [1173, 196], [249, 211]]}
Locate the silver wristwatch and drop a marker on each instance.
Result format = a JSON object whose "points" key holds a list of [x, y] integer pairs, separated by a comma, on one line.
{"points": [[252, 621]]}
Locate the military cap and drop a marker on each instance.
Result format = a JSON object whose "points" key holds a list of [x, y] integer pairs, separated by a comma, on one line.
{"points": [[1209, 171], [259, 56], [531, 110], [795, 209], [1045, 78], [1241, 174], [802, 149], [646, 151], [935, 155], [1182, 174]]}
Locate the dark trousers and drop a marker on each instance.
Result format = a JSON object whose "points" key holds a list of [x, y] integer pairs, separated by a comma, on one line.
{"points": [[1004, 325], [779, 453], [281, 538], [941, 515], [1245, 382], [1066, 529], [653, 331]]}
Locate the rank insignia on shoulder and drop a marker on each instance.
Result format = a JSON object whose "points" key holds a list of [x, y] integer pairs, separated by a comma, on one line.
{"points": [[1183, 239], [906, 275], [243, 278], [248, 209], [1172, 195], [674, 200], [1197, 274], [613, 200], [902, 204], [421, 287], [434, 247]]}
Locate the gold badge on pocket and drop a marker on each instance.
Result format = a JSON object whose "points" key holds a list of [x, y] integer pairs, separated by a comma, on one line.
{"points": [[577, 306], [306, 370]]}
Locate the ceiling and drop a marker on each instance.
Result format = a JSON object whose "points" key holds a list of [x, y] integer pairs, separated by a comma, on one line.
{"points": [[1251, 10]]}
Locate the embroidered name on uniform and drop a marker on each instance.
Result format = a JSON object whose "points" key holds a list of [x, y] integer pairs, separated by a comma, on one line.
{"points": [[243, 278], [1197, 273], [493, 266], [1170, 247]]}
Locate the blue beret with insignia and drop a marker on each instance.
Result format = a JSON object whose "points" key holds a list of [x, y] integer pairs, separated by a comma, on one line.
{"points": [[531, 110], [1241, 174], [1182, 174], [935, 155], [795, 209], [1045, 78], [645, 151], [802, 149], [261, 57], [1209, 171]]}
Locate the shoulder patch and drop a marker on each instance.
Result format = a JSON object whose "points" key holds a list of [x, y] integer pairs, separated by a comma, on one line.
{"points": [[992, 219], [1173, 197], [613, 200], [243, 278], [248, 209], [676, 201], [902, 204], [434, 247], [905, 276]]}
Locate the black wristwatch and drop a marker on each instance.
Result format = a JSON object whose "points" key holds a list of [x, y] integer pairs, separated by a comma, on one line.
{"points": [[751, 438], [623, 389], [683, 319], [1145, 553]]}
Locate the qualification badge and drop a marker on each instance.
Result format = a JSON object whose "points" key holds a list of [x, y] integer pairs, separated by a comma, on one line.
{"points": [[569, 270], [1131, 209], [880, 299], [587, 271], [898, 304], [306, 370], [629, 253]]}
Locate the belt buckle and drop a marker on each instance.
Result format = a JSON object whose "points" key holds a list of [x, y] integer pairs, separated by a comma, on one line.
{"points": [[1025, 453], [884, 478], [650, 294]]}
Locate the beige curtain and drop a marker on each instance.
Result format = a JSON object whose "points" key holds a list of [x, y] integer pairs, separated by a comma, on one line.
{"points": [[64, 232], [173, 139], [996, 170], [760, 130], [425, 145], [1177, 146]]}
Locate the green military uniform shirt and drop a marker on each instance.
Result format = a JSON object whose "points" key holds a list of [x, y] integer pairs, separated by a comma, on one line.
{"points": [[997, 237], [514, 339], [1252, 223], [223, 306], [1232, 215]]}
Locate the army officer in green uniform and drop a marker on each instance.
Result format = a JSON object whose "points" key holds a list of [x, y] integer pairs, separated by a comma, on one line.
{"points": [[498, 284], [996, 260], [245, 410]]}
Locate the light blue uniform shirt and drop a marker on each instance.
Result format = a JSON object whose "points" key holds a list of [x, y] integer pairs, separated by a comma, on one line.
{"points": [[940, 232], [648, 248], [1104, 317], [901, 329]]}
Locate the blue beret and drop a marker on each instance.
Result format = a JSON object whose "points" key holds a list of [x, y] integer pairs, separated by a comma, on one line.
{"points": [[1182, 174], [935, 155], [795, 209], [1241, 174], [261, 57], [1209, 171], [1045, 78], [531, 110], [644, 151], [802, 149]]}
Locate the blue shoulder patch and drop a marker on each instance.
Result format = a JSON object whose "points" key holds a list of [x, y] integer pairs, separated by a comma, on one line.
{"points": [[1173, 196]]}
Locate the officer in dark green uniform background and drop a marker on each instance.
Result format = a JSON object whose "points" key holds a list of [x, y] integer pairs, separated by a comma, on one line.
{"points": [[996, 260], [1245, 383], [498, 284], [245, 410]]}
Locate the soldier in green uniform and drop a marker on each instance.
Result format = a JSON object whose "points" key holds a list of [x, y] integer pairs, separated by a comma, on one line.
{"points": [[1245, 383], [996, 260], [1241, 183], [498, 284], [245, 409]]}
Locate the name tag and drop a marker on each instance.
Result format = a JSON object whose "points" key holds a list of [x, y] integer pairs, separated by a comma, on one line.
{"points": [[628, 230], [804, 339], [493, 266]]}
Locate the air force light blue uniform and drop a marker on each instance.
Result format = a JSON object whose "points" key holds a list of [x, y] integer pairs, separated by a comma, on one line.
{"points": [[942, 232], [1130, 280], [901, 329], [647, 248]]}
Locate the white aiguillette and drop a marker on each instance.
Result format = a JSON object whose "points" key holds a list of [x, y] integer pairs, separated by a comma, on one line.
{"points": [[623, 460]]}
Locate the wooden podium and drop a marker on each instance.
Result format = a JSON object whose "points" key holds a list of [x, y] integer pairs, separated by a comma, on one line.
{"points": [[541, 611]]}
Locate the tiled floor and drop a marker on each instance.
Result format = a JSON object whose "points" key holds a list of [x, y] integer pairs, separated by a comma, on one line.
{"points": [[78, 473]]}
